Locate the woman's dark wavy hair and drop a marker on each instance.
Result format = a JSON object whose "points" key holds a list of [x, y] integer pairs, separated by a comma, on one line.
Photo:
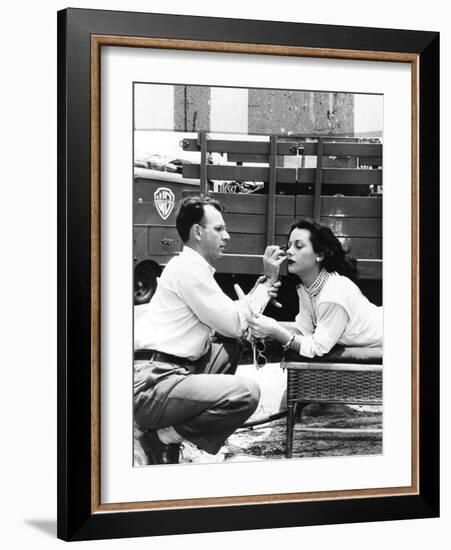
{"points": [[325, 243]]}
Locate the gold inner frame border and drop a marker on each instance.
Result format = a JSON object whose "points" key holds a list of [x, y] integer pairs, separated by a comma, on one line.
{"points": [[97, 41]]}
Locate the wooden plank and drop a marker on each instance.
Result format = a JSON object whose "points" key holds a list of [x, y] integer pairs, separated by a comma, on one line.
{"points": [[252, 264], [245, 243], [362, 247], [369, 269], [241, 203], [331, 148], [346, 176], [362, 207], [243, 147], [239, 157], [203, 163], [239, 173], [271, 209], [247, 264], [357, 247], [339, 162], [235, 263], [354, 227], [264, 159], [304, 206], [370, 161], [252, 223], [352, 149], [242, 243], [318, 181], [336, 149]]}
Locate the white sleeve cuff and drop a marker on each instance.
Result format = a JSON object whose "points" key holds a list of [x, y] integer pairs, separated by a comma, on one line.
{"points": [[305, 345]]}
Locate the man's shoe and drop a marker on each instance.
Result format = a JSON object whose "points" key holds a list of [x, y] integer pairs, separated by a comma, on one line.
{"points": [[156, 451], [192, 454]]}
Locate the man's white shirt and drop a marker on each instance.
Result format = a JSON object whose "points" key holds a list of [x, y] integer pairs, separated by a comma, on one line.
{"points": [[188, 307]]}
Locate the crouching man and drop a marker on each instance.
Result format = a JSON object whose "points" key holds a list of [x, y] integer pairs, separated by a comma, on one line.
{"points": [[185, 387]]}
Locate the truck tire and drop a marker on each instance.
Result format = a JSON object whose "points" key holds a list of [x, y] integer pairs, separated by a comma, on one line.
{"points": [[145, 282]]}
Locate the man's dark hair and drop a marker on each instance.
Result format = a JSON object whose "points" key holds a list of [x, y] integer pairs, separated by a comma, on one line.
{"points": [[190, 212]]}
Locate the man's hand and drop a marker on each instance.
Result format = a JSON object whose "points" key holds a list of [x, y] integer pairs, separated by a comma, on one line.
{"points": [[241, 296], [272, 258]]}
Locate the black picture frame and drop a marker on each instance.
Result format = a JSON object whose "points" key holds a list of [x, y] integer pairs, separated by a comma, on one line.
{"points": [[78, 516]]}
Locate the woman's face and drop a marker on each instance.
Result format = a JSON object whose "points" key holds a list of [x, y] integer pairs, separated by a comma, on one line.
{"points": [[301, 258]]}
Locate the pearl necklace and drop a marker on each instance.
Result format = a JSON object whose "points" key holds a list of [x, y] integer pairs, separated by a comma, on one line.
{"points": [[315, 288], [307, 297]]}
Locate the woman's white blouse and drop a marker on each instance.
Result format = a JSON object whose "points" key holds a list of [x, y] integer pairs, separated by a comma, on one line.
{"points": [[339, 314]]}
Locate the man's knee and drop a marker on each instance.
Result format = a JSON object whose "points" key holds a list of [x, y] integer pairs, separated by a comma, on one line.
{"points": [[251, 392]]}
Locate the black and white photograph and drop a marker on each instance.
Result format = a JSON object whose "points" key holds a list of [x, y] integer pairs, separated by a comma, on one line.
{"points": [[257, 265]]}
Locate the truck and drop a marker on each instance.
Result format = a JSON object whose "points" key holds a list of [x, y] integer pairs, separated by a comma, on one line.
{"points": [[264, 184]]}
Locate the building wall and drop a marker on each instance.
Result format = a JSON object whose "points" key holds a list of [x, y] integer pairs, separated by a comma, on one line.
{"points": [[191, 108], [280, 111], [258, 111]]}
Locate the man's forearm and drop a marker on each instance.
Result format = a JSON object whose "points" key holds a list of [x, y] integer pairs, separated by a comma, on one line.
{"points": [[258, 299]]}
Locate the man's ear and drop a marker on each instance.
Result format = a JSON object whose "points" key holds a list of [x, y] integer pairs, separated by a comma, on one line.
{"points": [[195, 232]]}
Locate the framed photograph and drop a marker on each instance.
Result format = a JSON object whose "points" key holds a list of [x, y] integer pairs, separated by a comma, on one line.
{"points": [[182, 408]]}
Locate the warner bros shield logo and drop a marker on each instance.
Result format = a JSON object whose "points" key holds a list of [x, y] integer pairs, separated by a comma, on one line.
{"points": [[164, 201]]}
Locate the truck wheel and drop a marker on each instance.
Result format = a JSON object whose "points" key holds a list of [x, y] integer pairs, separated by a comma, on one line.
{"points": [[145, 283]]}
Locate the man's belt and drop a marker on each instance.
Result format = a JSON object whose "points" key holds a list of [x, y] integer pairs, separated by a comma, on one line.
{"points": [[154, 355]]}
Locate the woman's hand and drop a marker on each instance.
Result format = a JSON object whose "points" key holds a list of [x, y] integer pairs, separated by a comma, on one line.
{"points": [[272, 258], [273, 290], [264, 327]]}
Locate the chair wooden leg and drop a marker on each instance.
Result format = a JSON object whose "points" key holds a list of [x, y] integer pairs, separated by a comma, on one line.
{"points": [[291, 411]]}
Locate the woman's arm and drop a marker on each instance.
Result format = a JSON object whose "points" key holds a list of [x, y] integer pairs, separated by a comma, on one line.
{"points": [[332, 320]]}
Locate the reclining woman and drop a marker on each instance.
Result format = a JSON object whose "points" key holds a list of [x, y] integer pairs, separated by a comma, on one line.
{"points": [[332, 309]]}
